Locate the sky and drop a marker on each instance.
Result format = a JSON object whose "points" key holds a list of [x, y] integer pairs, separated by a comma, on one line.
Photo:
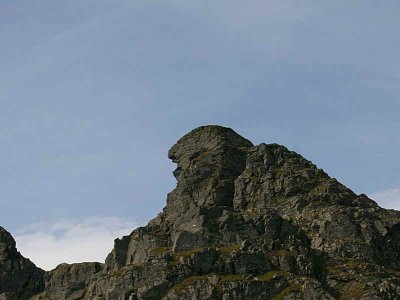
{"points": [[93, 93]]}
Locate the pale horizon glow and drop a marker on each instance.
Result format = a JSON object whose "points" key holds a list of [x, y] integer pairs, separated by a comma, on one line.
{"points": [[389, 199], [71, 241]]}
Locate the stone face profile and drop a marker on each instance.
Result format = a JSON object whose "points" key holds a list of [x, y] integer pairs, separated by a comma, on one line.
{"points": [[244, 222]]}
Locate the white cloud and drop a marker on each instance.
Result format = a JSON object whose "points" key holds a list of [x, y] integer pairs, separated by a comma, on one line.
{"points": [[388, 198], [91, 239]]}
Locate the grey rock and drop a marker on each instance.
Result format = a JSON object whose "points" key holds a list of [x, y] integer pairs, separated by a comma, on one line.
{"points": [[19, 277], [68, 281], [246, 222]]}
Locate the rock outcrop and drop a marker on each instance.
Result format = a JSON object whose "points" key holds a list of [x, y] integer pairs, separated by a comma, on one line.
{"points": [[19, 277], [68, 281], [246, 222]]}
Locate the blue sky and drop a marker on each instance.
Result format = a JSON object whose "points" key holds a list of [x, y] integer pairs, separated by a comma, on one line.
{"points": [[93, 94]]}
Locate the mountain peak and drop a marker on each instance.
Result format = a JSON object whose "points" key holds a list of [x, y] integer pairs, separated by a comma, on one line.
{"points": [[209, 159], [19, 277], [206, 141], [244, 222]]}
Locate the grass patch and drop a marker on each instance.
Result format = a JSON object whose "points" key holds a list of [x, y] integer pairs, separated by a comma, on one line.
{"points": [[352, 264], [279, 172], [353, 292], [228, 278], [229, 248], [269, 275], [159, 250], [280, 253], [188, 253], [177, 255], [179, 287], [287, 291], [243, 148]]}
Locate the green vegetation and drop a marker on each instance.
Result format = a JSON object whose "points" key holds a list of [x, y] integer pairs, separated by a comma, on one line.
{"points": [[279, 172], [269, 275], [287, 291], [121, 271], [229, 248], [228, 278], [188, 253], [280, 253], [350, 265], [242, 148], [353, 292], [159, 250], [175, 256], [354, 263], [179, 287]]}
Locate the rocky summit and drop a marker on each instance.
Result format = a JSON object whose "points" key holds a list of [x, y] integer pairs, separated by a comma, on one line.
{"points": [[244, 222]]}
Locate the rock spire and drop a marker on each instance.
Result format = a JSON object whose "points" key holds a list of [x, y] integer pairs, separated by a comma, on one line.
{"points": [[244, 222]]}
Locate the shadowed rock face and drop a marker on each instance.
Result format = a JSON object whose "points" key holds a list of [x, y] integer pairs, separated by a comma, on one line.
{"points": [[208, 159], [68, 281], [19, 277], [246, 222]]}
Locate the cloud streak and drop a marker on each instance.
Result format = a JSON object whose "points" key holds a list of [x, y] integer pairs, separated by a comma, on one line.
{"points": [[91, 239]]}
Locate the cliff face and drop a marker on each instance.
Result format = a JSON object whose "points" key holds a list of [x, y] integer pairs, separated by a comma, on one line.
{"points": [[19, 277], [246, 222]]}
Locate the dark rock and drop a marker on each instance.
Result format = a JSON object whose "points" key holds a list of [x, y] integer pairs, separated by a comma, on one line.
{"points": [[186, 240], [68, 281], [247, 222], [19, 277], [264, 209]]}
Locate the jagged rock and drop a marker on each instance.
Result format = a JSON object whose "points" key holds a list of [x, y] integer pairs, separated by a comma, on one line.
{"points": [[19, 277], [250, 210], [247, 222], [68, 281]]}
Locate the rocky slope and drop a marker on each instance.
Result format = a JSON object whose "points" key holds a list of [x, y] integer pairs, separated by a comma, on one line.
{"points": [[19, 277], [244, 222]]}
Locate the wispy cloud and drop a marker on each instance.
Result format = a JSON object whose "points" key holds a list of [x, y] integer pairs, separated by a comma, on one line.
{"points": [[388, 198], [49, 244]]}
